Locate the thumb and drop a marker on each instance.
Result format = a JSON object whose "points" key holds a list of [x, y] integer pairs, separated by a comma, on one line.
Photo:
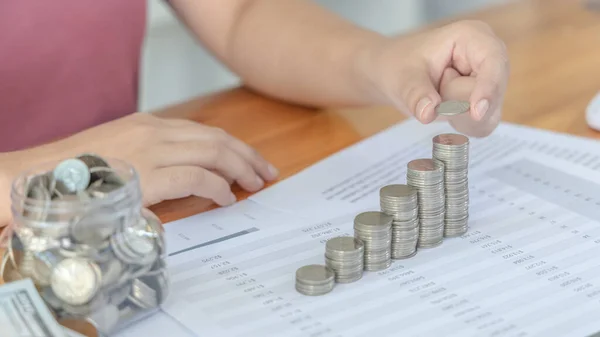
{"points": [[419, 94]]}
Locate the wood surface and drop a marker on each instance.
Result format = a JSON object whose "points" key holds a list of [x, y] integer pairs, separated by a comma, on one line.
{"points": [[554, 49]]}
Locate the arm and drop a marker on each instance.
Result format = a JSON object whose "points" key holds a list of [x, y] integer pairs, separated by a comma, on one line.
{"points": [[292, 50], [297, 51]]}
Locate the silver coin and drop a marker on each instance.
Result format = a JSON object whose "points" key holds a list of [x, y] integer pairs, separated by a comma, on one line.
{"points": [[42, 266], [95, 227], [398, 191], [373, 220], [452, 108], [345, 256], [314, 280], [314, 274], [93, 161], [451, 139], [81, 311], [344, 245], [73, 175], [101, 191], [75, 281]]}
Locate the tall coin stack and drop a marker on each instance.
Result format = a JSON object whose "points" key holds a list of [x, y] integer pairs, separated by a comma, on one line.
{"points": [[374, 229], [453, 151], [345, 256], [427, 176], [401, 202]]}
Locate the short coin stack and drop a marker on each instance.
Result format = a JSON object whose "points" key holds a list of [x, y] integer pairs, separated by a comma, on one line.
{"points": [[401, 202], [314, 280], [453, 151], [374, 229], [427, 176], [345, 255]]}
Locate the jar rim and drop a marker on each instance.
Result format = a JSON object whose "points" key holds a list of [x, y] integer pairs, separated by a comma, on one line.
{"points": [[23, 177]]}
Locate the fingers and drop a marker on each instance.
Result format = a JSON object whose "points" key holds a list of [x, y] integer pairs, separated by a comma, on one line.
{"points": [[266, 170], [192, 131], [491, 78], [456, 87], [420, 94], [212, 155], [176, 182]]}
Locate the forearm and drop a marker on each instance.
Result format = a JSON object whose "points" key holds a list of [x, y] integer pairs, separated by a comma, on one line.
{"points": [[293, 50]]}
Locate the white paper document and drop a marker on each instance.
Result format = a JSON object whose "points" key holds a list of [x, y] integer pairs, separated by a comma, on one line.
{"points": [[529, 265]]}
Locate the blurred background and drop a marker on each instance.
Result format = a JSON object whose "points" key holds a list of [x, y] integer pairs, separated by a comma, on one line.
{"points": [[176, 68]]}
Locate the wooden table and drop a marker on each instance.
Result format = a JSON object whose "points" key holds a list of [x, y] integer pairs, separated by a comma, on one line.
{"points": [[554, 47]]}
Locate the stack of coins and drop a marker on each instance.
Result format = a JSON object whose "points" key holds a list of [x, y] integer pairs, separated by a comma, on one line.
{"points": [[453, 151], [374, 229], [314, 280], [345, 256], [83, 238], [427, 176], [401, 202]]}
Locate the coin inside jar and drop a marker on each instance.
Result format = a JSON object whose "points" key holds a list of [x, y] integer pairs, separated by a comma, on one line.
{"points": [[93, 161], [73, 175], [94, 228], [75, 281]]}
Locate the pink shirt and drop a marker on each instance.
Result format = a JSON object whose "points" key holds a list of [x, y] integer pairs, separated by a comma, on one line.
{"points": [[66, 65]]}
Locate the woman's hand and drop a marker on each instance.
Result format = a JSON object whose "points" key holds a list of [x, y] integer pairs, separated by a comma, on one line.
{"points": [[463, 61], [174, 158]]}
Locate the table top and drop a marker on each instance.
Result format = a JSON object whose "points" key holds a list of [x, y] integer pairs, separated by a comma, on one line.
{"points": [[554, 51], [554, 48]]}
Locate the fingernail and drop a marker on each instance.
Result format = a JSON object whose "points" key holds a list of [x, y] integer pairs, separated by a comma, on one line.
{"points": [[421, 106], [273, 171], [232, 198], [259, 182], [481, 108]]}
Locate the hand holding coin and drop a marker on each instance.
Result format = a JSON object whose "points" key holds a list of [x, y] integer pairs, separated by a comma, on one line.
{"points": [[463, 62]]}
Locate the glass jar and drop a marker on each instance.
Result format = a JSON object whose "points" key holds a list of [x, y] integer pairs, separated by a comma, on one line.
{"points": [[81, 233]]}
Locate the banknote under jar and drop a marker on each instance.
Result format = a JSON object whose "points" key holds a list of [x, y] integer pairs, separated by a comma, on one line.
{"points": [[82, 235]]}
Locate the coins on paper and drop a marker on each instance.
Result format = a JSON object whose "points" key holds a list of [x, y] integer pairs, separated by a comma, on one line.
{"points": [[345, 256], [427, 177], [432, 205], [374, 229], [453, 151], [84, 239], [452, 108], [314, 280], [401, 202]]}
